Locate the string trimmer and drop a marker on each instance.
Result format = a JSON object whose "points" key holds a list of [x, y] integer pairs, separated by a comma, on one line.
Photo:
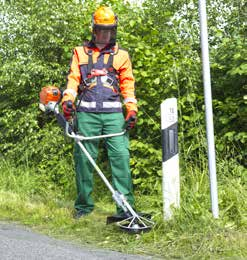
{"points": [[133, 222]]}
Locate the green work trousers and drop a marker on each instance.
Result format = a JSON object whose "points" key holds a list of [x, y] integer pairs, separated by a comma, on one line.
{"points": [[92, 124]]}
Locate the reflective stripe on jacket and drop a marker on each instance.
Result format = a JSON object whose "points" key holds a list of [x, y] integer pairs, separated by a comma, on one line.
{"points": [[101, 93]]}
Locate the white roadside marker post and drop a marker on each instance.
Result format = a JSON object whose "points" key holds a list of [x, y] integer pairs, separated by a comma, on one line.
{"points": [[170, 158]]}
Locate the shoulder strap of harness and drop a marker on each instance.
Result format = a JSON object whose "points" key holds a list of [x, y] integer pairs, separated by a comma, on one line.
{"points": [[110, 60], [109, 64], [89, 52], [90, 61]]}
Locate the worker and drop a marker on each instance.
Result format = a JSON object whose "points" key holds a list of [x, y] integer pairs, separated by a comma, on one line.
{"points": [[99, 84]]}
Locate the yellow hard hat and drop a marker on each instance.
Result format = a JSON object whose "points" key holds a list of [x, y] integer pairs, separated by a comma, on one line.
{"points": [[104, 16]]}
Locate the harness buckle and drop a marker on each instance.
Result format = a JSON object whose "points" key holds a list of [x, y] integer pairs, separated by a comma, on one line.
{"points": [[109, 81], [89, 81]]}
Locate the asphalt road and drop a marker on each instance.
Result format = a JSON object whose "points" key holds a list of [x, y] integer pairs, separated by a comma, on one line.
{"points": [[21, 243]]}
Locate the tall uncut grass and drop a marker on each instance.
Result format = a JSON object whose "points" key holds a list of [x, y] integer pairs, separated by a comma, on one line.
{"points": [[192, 233]]}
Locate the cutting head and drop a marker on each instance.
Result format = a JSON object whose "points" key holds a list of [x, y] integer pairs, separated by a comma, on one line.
{"points": [[136, 224]]}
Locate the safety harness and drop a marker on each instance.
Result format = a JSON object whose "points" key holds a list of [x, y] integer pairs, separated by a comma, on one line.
{"points": [[108, 75], [93, 73]]}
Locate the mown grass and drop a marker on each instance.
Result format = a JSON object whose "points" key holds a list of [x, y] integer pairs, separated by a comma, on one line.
{"points": [[191, 234]]}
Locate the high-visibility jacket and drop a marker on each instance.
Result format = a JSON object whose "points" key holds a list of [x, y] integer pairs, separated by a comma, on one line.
{"points": [[101, 79]]}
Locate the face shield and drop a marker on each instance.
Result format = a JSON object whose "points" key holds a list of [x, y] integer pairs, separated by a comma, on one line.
{"points": [[104, 34]]}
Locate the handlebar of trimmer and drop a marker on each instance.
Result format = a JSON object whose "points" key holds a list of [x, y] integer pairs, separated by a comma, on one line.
{"points": [[70, 132], [81, 137]]}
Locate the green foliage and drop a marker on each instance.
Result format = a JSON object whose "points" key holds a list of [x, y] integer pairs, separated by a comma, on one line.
{"points": [[36, 41], [36, 46], [31, 145]]}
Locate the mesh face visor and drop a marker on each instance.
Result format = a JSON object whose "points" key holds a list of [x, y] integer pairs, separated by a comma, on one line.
{"points": [[104, 34]]}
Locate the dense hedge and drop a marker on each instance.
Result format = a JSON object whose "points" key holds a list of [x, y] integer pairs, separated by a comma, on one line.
{"points": [[37, 38]]}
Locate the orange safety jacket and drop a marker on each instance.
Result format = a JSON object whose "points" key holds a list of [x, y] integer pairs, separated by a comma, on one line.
{"points": [[99, 78]]}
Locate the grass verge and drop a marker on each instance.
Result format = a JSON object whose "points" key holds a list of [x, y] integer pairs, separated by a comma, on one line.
{"points": [[191, 234]]}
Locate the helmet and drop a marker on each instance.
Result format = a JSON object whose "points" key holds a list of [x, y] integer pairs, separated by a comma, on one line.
{"points": [[104, 23]]}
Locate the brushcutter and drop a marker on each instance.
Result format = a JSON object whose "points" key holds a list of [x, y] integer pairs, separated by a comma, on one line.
{"points": [[132, 221]]}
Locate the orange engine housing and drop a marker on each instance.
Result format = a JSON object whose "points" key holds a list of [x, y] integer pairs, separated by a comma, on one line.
{"points": [[49, 94]]}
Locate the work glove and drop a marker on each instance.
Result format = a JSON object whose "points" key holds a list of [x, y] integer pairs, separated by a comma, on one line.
{"points": [[131, 119], [68, 109]]}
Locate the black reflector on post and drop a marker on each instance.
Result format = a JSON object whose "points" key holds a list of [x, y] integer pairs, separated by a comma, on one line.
{"points": [[170, 159]]}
